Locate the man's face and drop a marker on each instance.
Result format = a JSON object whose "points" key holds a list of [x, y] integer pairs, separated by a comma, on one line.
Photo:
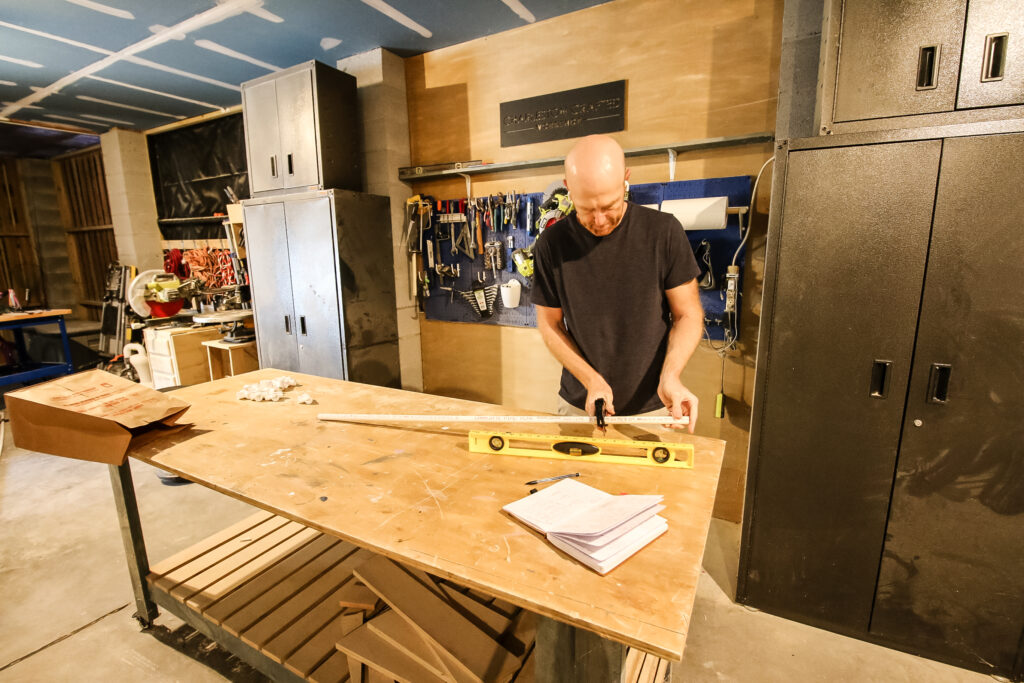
{"points": [[601, 211]]}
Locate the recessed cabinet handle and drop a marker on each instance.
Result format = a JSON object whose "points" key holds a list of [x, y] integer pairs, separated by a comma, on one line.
{"points": [[938, 382], [881, 373], [287, 325], [291, 168], [302, 324], [928, 67], [273, 166], [994, 67]]}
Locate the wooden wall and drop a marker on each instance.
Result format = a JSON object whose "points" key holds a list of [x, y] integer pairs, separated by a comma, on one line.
{"points": [[19, 266], [694, 70], [85, 213]]}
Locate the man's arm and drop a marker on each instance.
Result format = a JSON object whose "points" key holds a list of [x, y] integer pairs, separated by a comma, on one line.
{"points": [[565, 351], [687, 328]]}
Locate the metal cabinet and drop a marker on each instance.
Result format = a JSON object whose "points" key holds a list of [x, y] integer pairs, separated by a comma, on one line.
{"points": [[898, 57], [952, 573], [891, 64], [301, 130], [992, 69], [322, 278], [885, 492]]}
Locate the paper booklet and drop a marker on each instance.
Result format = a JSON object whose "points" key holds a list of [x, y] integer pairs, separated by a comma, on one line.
{"points": [[598, 529]]}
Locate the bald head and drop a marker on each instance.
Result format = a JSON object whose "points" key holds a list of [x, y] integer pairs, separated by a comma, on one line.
{"points": [[596, 174], [595, 161]]}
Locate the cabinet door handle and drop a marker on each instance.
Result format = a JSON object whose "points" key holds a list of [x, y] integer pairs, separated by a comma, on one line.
{"points": [[928, 67], [938, 382], [881, 374], [994, 67], [291, 168], [302, 324], [273, 166], [287, 325]]}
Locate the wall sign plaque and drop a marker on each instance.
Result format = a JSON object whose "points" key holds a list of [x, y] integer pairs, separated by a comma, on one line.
{"points": [[567, 114]]}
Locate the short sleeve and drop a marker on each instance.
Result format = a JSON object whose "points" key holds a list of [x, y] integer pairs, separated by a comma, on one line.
{"points": [[544, 291], [680, 264]]}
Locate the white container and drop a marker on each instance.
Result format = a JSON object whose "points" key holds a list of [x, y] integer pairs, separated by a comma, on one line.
{"points": [[136, 355], [510, 293]]}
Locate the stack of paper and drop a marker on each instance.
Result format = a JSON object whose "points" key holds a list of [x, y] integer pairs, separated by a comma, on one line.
{"points": [[598, 529]]}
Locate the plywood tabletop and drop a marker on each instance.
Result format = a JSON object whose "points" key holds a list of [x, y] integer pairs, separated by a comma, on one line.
{"points": [[420, 497], [31, 315]]}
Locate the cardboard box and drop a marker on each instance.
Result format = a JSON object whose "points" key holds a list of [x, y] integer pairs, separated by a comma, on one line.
{"points": [[91, 415]]}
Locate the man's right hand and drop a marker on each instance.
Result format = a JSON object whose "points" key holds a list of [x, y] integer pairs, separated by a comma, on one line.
{"points": [[598, 388]]}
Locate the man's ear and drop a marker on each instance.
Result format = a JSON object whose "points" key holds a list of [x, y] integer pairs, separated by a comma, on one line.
{"points": [[626, 177]]}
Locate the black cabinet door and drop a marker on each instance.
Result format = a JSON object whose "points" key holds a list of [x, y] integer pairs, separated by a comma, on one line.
{"points": [[952, 575], [852, 249]]}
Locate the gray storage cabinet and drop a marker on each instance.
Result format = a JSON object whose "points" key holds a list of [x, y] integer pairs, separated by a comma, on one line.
{"points": [[885, 491], [302, 130], [322, 276], [904, 63]]}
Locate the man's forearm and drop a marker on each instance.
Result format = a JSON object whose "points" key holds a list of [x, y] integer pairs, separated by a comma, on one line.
{"points": [[565, 351], [682, 342]]}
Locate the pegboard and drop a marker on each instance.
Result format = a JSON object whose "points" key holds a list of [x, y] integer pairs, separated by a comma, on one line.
{"points": [[723, 243], [450, 306]]}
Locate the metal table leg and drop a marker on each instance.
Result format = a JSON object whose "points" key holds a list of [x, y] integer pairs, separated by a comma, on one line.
{"points": [[66, 344], [134, 545], [566, 654]]}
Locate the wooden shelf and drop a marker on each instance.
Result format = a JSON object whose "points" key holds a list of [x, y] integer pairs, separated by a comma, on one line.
{"points": [[411, 173], [271, 591]]}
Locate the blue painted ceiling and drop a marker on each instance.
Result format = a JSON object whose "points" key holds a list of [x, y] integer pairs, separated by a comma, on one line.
{"points": [[139, 64]]}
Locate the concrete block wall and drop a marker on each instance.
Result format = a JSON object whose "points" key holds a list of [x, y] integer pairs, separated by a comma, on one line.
{"points": [[132, 204], [380, 77]]}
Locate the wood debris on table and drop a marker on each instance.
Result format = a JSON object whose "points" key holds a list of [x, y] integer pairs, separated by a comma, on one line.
{"points": [[269, 390]]}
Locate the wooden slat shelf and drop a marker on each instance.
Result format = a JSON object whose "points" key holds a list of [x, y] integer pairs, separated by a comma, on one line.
{"points": [[271, 589]]}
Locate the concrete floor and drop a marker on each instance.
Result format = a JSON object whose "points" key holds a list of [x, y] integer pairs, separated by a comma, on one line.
{"points": [[65, 611]]}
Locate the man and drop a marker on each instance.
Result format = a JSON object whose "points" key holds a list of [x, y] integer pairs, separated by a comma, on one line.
{"points": [[616, 294]]}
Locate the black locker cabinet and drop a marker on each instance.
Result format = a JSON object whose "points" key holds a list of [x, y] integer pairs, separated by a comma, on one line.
{"points": [[885, 493], [889, 64], [898, 57]]}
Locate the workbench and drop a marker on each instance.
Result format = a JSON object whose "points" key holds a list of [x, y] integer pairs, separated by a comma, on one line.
{"points": [[418, 496], [32, 372]]}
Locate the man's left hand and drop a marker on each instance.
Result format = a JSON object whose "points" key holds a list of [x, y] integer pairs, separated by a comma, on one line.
{"points": [[679, 400]]}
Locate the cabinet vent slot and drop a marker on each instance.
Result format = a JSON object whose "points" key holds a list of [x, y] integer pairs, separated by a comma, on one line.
{"points": [[928, 67], [995, 57]]}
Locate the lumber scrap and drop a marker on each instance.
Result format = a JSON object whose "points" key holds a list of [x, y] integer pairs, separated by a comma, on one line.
{"points": [[471, 649], [358, 596], [380, 655], [391, 627]]}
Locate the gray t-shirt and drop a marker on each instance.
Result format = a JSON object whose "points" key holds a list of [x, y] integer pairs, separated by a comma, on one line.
{"points": [[611, 291]]}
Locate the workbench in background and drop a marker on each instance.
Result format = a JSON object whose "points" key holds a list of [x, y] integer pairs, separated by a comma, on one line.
{"points": [[25, 371], [418, 496]]}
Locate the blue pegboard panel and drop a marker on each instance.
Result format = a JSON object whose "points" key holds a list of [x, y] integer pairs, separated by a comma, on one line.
{"points": [[449, 306], [723, 243]]}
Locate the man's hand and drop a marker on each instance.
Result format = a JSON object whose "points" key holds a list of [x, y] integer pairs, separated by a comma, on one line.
{"points": [[678, 399], [598, 388]]}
